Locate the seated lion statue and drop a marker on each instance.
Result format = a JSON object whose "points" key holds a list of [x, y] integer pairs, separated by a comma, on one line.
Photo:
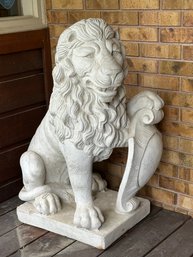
{"points": [[86, 119]]}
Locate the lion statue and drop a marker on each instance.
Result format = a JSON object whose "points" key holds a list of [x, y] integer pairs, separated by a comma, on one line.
{"points": [[86, 119]]}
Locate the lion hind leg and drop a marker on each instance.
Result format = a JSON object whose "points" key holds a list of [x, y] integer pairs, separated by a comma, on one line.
{"points": [[33, 170], [98, 183], [34, 173]]}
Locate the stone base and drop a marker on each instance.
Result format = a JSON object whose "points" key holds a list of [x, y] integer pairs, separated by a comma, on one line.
{"points": [[61, 223]]}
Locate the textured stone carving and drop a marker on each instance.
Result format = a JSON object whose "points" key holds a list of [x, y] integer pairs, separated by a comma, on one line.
{"points": [[145, 147], [87, 118]]}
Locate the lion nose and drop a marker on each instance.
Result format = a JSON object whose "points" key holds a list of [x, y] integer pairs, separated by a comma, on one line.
{"points": [[110, 67], [111, 71]]}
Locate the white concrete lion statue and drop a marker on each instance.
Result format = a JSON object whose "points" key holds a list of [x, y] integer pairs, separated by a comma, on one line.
{"points": [[87, 118]]}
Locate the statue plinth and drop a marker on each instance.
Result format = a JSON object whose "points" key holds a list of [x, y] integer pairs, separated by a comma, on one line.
{"points": [[115, 225]]}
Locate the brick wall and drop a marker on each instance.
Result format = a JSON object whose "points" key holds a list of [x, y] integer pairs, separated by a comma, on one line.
{"points": [[158, 37]]}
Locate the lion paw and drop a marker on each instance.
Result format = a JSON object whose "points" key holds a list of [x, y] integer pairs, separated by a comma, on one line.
{"points": [[47, 204], [88, 216], [98, 184]]}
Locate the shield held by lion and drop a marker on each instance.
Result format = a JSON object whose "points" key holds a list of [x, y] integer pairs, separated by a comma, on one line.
{"points": [[87, 118]]}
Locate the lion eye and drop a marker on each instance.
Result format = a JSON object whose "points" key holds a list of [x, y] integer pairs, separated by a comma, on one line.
{"points": [[87, 52], [90, 55]]}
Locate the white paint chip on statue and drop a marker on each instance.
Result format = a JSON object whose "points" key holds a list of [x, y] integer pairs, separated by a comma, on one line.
{"points": [[87, 117]]}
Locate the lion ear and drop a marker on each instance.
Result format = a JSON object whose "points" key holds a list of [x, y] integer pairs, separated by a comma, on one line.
{"points": [[71, 36]]}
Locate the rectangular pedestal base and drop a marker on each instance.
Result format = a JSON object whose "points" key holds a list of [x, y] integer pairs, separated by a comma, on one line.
{"points": [[61, 223]]}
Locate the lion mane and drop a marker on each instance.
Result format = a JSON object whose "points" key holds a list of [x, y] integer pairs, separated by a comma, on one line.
{"points": [[75, 110]]}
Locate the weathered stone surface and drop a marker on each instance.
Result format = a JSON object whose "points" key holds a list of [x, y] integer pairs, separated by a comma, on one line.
{"points": [[87, 118]]}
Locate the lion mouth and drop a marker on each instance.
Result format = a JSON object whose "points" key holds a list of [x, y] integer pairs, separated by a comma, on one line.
{"points": [[106, 94], [107, 91]]}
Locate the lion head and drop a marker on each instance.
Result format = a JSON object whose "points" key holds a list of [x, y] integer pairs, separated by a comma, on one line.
{"points": [[88, 101]]}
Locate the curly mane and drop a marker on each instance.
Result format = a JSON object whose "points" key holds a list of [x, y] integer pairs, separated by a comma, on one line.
{"points": [[75, 111]]}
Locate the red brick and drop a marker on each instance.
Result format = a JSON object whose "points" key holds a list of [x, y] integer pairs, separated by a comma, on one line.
{"points": [[176, 68], [171, 157], [170, 142], [161, 18], [185, 202], [56, 29], [119, 156], [168, 207], [154, 180], [102, 4], [176, 35], [177, 4], [132, 79], [57, 16], [160, 51], [181, 210], [160, 195], [188, 18], [67, 4], [176, 128], [171, 113], [75, 16], [142, 64], [168, 169], [187, 115], [187, 84], [53, 42], [114, 169], [131, 49], [188, 52], [113, 182], [120, 18], [132, 91], [190, 189], [48, 4], [157, 81], [186, 174], [138, 33], [173, 184], [186, 145], [139, 4], [177, 98]]}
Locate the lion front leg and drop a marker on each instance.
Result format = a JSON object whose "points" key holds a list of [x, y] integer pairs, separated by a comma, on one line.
{"points": [[80, 173]]}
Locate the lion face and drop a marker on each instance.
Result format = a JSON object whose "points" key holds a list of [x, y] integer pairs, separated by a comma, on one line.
{"points": [[99, 66]]}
